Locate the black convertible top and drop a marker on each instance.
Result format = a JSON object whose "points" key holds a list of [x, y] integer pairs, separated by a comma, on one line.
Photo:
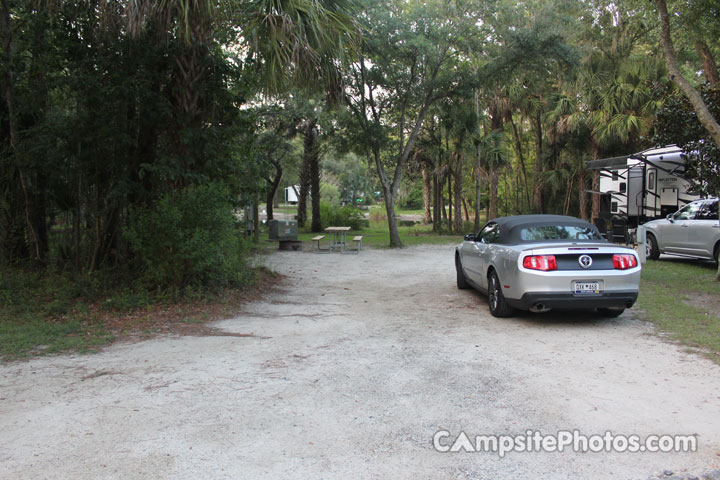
{"points": [[510, 227]]}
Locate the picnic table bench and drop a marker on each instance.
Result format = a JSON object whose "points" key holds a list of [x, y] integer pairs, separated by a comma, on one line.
{"points": [[316, 245], [337, 241]]}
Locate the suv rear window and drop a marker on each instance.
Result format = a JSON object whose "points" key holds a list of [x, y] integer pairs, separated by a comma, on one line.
{"points": [[558, 232]]}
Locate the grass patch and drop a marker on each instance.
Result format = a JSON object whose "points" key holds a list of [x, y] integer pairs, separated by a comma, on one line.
{"points": [[682, 297], [44, 312], [378, 235], [42, 336]]}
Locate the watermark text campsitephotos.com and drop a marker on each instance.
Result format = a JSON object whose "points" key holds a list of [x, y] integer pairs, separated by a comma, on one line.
{"points": [[563, 440]]}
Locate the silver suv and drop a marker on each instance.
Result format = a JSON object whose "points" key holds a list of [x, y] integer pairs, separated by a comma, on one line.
{"points": [[694, 230]]}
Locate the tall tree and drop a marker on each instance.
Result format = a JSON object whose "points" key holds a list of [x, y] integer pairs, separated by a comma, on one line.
{"points": [[399, 75]]}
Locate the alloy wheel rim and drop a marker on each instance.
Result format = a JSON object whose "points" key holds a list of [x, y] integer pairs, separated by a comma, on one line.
{"points": [[493, 293]]}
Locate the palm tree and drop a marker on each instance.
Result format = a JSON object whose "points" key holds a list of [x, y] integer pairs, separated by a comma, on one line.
{"points": [[295, 42], [611, 105]]}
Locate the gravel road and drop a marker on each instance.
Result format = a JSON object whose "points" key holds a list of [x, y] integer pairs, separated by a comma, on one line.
{"points": [[357, 361]]}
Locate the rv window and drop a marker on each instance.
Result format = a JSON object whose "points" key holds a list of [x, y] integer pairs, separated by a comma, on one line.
{"points": [[615, 176], [623, 187], [651, 181], [614, 206]]}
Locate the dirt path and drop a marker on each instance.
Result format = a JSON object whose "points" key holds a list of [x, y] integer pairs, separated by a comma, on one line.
{"points": [[356, 363]]}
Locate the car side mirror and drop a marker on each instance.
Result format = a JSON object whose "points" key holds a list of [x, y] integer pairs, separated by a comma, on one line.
{"points": [[670, 218], [470, 237]]}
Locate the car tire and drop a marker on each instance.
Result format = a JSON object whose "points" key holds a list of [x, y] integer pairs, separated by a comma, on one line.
{"points": [[462, 283], [611, 312], [652, 251], [496, 300], [717, 253]]}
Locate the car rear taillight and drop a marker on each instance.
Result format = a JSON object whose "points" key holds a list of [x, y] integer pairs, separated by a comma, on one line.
{"points": [[540, 262], [623, 262]]}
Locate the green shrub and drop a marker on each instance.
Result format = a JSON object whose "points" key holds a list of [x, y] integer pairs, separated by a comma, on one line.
{"points": [[189, 237], [347, 216], [411, 196], [330, 192]]}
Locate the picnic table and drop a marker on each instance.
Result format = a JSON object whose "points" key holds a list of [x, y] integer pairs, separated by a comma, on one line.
{"points": [[338, 237]]}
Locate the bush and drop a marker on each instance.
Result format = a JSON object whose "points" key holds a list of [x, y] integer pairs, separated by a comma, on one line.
{"points": [[378, 213], [330, 192], [411, 196], [347, 216], [189, 237]]}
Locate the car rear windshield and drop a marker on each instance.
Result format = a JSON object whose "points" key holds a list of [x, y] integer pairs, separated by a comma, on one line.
{"points": [[558, 232]]}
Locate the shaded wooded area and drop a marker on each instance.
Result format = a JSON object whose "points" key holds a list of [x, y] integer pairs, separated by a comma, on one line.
{"points": [[115, 110]]}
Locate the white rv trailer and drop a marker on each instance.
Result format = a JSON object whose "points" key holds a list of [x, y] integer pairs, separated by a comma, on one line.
{"points": [[291, 195], [643, 186]]}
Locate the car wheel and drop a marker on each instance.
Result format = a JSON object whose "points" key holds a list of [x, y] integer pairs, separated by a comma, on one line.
{"points": [[652, 251], [462, 284], [611, 312], [717, 253], [496, 299]]}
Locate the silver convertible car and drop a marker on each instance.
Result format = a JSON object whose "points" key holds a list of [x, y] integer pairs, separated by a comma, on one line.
{"points": [[542, 262]]}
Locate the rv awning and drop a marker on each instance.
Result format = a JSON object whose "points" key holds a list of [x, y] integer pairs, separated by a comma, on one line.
{"points": [[603, 163]]}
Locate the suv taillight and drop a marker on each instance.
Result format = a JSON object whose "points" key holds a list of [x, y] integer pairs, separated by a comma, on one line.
{"points": [[623, 262], [540, 262]]}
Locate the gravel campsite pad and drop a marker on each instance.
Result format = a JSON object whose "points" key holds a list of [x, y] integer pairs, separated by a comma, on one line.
{"points": [[353, 365]]}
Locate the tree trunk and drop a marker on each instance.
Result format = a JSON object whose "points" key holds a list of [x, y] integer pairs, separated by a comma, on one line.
{"points": [[539, 207], [521, 157], [442, 205], [272, 191], [427, 186], [316, 225], [77, 218], [595, 152], [595, 196], [389, 191], [256, 220], [392, 220], [478, 190], [494, 181], [437, 203], [703, 113], [458, 193], [709, 65], [465, 207], [40, 216], [450, 199], [582, 195], [305, 172]]}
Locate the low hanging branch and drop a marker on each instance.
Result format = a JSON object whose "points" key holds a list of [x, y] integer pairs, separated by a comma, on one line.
{"points": [[703, 113], [704, 116]]}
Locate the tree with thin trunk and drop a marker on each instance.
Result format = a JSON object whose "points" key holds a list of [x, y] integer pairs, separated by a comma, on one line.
{"points": [[400, 74]]}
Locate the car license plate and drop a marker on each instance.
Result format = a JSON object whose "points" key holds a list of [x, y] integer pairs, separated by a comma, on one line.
{"points": [[584, 288]]}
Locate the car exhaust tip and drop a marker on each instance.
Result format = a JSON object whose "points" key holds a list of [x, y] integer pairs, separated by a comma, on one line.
{"points": [[539, 308]]}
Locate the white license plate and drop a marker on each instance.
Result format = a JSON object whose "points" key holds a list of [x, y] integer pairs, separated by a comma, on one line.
{"points": [[587, 287]]}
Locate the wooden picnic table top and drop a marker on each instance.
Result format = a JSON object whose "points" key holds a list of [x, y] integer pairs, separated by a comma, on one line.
{"points": [[337, 229]]}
